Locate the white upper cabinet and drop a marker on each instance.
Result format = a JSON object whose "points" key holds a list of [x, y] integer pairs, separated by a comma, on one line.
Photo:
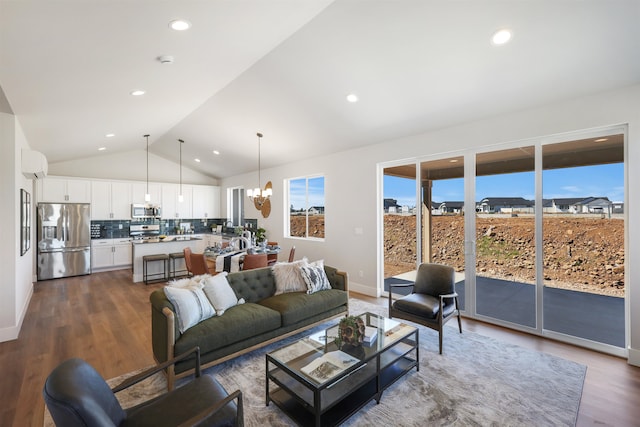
{"points": [[110, 200], [206, 201], [100, 200], [121, 200], [169, 201], [172, 208], [185, 208], [139, 189], [64, 190]]}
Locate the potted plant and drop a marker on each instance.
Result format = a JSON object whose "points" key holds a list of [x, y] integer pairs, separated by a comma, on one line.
{"points": [[351, 331], [261, 235]]}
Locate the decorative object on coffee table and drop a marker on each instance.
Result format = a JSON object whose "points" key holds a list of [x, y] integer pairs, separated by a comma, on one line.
{"points": [[351, 331]]}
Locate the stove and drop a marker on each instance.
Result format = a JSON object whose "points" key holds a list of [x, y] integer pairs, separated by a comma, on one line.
{"points": [[144, 231]]}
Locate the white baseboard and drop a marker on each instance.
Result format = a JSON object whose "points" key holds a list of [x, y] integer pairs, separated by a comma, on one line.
{"points": [[363, 289], [12, 332], [634, 357]]}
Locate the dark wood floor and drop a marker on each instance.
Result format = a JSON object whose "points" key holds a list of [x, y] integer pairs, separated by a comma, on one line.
{"points": [[105, 319]]}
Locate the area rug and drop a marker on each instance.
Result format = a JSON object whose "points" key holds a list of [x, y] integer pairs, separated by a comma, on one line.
{"points": [[477, 381]]}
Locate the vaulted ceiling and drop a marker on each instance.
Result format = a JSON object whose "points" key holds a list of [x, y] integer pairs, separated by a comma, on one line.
{"points": [[285, 67]]}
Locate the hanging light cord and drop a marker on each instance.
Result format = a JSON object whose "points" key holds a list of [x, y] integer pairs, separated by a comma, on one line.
{"points": [[259, 177]]}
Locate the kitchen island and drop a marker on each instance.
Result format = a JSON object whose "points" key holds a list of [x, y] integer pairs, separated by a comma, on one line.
{"points": [[167, 246]]}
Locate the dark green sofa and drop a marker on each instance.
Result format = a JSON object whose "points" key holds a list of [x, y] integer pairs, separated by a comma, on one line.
{"points": [[261, 320]]}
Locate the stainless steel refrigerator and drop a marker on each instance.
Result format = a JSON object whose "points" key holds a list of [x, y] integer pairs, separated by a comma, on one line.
{"points": [[64, 240]]}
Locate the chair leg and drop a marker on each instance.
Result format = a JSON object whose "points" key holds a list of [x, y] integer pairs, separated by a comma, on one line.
{"points": [[459, 320], [440, 338]]}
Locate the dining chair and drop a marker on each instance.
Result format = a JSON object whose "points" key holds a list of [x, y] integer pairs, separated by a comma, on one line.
{"points": [[187, 260], [272, 258], [252, 261], [197, 263], [292, 253]]}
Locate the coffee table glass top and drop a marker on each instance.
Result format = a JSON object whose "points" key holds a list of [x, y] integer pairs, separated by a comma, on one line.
{"points": [[317, 359]]}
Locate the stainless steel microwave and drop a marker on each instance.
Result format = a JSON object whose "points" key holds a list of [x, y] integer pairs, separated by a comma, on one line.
{"points": [[145, 211]]}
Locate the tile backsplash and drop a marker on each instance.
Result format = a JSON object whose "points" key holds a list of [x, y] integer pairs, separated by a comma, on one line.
{"points": [[115, 229]]}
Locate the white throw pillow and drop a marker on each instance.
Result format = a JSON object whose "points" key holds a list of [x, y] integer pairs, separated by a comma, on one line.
{"points": [[189, 282], [315, 278], [220, 293], [288, 277], [191, 305]]}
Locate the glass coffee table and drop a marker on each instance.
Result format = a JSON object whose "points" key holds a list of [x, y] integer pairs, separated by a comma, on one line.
{"points": [[315, 383]]}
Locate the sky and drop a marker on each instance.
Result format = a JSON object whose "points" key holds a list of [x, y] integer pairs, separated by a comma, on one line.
{"points": [[298, 192], [584, 181]]}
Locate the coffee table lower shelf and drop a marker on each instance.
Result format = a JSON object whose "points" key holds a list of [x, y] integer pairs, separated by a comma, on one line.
{"points": [[303, 413]]}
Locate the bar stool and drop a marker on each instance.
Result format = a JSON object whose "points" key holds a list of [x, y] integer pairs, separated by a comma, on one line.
{"points": [[172, 261], [152, 258]]}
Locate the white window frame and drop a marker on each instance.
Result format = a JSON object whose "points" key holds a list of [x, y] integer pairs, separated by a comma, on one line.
{"points": [[287, 206]]}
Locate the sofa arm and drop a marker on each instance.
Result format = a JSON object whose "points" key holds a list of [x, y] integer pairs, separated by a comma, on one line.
{"points": [[338, 279], [163, 336]]}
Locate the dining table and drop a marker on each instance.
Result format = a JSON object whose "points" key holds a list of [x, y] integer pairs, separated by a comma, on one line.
{"points": [[230, 260]]}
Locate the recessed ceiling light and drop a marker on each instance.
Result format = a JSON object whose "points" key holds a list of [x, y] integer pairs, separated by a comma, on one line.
{"points": [[179, 24], [453, 161], [137, 92], [216, 152], [102, 148], [601, 140], [197, 160], [501, 37], [352, 97], [110, 135]]}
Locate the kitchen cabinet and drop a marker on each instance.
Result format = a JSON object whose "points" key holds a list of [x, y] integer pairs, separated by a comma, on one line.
{"points": [[206, 201], [108, 254], [185, 208], [64, 190], [171, 207], [139, 189], [110, 200]]}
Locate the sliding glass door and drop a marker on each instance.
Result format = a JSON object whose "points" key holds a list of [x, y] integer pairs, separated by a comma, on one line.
{"points": [[583, 267], [505, 275], [541, 223], [400, 239]]}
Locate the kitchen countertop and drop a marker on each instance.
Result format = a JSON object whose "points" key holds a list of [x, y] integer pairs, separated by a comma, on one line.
{"points": [[167, 240]]}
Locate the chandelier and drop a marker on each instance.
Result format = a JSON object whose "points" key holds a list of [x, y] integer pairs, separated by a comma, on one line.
{"points": [[260, 197]]}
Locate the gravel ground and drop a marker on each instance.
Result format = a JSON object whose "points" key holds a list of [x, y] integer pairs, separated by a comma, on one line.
{"points": [[580, 253]]}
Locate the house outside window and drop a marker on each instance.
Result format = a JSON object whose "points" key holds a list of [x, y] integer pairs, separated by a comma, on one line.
{"points": [[306, 207]]}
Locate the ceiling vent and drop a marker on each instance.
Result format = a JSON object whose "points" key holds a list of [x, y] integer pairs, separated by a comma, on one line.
{"points": [[34, 164]]}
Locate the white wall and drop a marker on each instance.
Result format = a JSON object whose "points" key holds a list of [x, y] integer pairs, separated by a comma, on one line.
{"points": [[132, 166], [16, 285], [351, 192]]}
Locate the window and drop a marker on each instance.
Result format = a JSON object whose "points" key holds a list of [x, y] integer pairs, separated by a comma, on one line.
{"points": [[306, 207], [235, 205]]}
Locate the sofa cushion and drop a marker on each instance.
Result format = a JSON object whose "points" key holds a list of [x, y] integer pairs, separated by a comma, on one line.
{"points": [[219, 292], [288, 276], [315, 278], [238, 323], [191, 305], [297, 306]]}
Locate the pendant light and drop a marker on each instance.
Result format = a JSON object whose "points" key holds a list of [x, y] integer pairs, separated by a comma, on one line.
{"points": [[147, 196], [258, 196], [180, 197]]}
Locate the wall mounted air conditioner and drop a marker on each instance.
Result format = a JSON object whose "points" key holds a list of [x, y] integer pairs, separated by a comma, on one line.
{"points": [[34, 164]]}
